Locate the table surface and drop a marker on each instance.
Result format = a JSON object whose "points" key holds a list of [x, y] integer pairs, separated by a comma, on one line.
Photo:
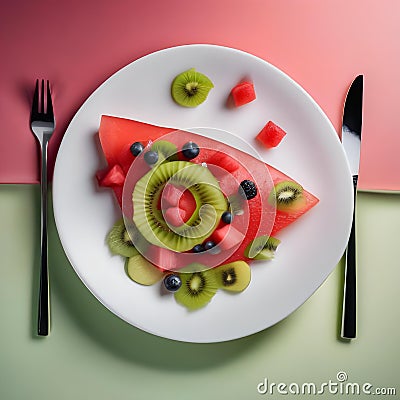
{"points": [[322, 45], [92, 354]]}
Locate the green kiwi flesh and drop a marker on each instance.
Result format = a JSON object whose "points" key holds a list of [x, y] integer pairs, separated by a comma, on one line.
{"points": [[166, 150], [262, 248], [197, 289], [119, 242], [234, 276], [190, 88], [142, 271], [288, 196], [210, 204]]}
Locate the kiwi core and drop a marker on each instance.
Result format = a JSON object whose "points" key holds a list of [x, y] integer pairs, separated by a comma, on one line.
{"points": [[196, 283], [191, 88], [288, 195], [229, 277]]}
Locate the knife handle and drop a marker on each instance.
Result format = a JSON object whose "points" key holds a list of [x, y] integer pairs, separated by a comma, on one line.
{"points": [[349, 315]]}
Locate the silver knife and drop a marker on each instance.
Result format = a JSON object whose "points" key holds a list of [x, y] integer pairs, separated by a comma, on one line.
{"points": [[351, 138]]}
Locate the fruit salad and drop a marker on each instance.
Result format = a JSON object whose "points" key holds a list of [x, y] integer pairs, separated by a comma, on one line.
{"points": [[196, 213]]}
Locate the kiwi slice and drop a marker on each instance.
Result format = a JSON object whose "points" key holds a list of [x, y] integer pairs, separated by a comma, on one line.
{"points": [[262, 248], [119, 242], [210, 204], [197, 289], [190, 88], [234, 276], [167, 150], [288, 196], [236, 204], [141, 271]]}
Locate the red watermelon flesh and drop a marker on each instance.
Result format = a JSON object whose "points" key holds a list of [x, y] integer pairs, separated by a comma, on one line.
{"points": [[224, 161], [171, 194], [243, 93], [187, 203], [271, 135], [117, 134], [175, 216], [111, 177], [181, 198], [227, 237]]}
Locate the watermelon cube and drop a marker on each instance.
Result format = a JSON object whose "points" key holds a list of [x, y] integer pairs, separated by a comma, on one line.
{"points": [[271, 135], [175, 216], [177, 197], [113, 177], [171, 194], [243, 93], [188, 204]]}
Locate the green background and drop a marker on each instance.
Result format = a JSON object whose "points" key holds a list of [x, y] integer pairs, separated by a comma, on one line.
{"points": [[92, 354]]}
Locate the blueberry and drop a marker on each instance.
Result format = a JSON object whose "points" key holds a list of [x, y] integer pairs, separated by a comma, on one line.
{"points": [[136, 148], [151, 157], [190, 150], [227, 217], [248, 189], [172, 282], [209, 245], [198, 248]]}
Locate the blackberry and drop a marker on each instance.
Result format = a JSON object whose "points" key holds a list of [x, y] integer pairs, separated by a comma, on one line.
{"points": [[248, 189]]}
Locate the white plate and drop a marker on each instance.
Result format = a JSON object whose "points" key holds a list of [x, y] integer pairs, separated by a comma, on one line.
{"points": [[310, 153]]}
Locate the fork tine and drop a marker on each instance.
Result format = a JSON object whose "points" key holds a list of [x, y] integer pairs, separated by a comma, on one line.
{"points": [[49, 102], [35, 101], [42, 98]]}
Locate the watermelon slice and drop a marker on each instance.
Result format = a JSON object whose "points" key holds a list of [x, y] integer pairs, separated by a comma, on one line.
{"points": [[117, 134], [224, 161], [227, 237]]}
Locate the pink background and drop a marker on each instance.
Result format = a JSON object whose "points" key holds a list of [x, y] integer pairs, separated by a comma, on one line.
{"points": [[321, 44]]}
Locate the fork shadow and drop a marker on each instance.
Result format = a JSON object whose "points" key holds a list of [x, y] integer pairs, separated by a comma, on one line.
{"points": [[124, 341]]}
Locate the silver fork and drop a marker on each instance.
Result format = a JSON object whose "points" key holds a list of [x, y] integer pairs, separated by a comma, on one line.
{"points": [[42, 125]]}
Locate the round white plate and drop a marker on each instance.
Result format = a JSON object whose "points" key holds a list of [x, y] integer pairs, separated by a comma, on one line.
{"points": [[311, 153]]}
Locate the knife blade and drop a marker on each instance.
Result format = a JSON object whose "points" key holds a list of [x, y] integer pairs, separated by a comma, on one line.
{"points": [[351, 139]]}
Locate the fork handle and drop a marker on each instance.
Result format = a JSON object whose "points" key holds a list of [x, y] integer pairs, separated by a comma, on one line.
{"points": [[44, 301], [349, 316]]}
